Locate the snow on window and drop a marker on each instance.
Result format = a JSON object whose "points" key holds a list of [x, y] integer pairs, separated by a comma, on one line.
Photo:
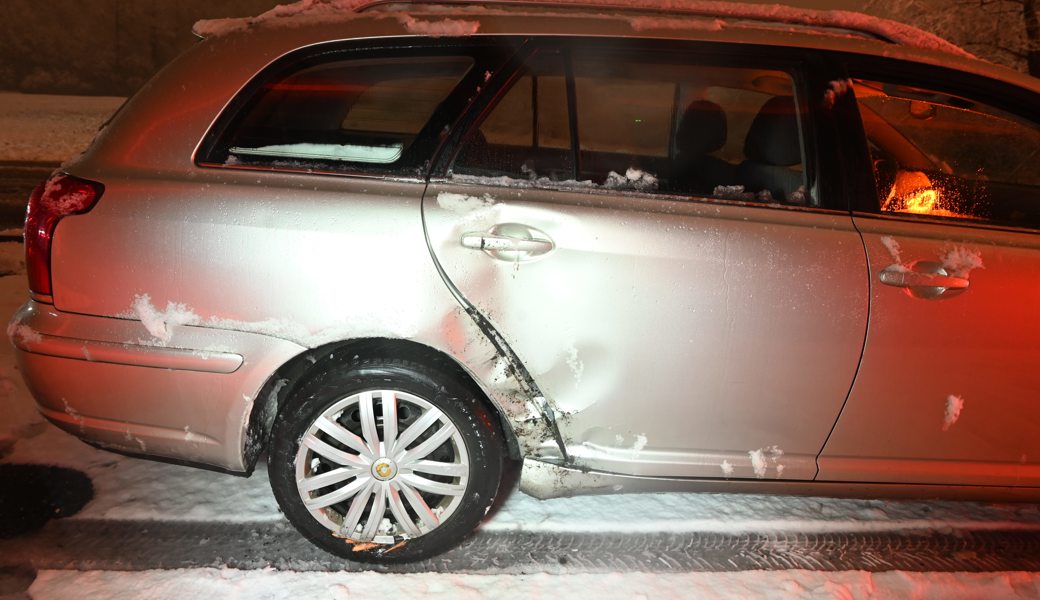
{"points": [[633, 179], [954, 406], [960, 261], [513, 182], [738, 192], [799, 196], [732, 191], [640, 443], [337, 152]]}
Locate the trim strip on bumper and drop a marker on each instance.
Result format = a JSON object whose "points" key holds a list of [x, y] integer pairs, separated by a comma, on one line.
{"points": [[135, 355]]}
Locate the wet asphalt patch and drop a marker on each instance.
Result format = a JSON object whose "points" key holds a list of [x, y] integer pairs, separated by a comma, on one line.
{"points": [[32, 495]]}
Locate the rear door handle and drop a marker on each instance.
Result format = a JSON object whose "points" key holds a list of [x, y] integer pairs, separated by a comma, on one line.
{"points": [[510, 242], [924, 279], [485, 241]]}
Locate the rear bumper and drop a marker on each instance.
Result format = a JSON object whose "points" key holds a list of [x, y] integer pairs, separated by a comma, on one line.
{"points": [[106, 381]]}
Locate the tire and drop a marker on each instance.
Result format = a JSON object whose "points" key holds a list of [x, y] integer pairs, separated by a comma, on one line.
{"points": [[366, 500]]}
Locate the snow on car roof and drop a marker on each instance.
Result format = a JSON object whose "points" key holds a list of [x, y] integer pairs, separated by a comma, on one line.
{"points": [[328, 10]]}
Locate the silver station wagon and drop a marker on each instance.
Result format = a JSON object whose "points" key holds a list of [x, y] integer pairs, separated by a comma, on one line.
{"points": [[397, 246]]}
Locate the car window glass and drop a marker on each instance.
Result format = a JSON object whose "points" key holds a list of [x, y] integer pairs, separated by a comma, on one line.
{"points": [[650, 123], [940, 155], [645, 124], [527, 134], [365, 112]]}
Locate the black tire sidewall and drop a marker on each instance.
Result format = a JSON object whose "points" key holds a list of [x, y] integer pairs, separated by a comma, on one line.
{"points": [[480, 434]]}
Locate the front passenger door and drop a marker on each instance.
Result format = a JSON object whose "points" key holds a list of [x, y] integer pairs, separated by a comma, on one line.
{"points": [[947, 392]]}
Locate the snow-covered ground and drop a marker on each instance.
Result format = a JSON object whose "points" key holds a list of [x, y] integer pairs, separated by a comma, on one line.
{"points": [[205, 584], [126, 489], [44, 128]]}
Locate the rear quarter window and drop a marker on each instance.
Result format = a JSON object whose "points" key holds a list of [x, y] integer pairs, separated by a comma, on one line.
{"points": [[353, 114]]}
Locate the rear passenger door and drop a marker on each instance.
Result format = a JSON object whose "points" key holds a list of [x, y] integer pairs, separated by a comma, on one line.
{"points": [[947, 391], [648, 230]]}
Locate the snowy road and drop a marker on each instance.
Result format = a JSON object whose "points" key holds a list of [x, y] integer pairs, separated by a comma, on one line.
{"points": [[72, 544], [17, 180]]}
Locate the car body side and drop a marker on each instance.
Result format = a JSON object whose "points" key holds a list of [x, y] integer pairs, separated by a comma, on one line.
{"points": [[195, 307]]}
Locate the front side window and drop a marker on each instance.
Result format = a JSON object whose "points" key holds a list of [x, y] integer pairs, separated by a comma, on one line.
{"points": [[645, 123], [358, 113], [940, 155]]}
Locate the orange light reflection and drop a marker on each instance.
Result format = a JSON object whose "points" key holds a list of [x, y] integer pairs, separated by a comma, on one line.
{"points": [[922, 202]]}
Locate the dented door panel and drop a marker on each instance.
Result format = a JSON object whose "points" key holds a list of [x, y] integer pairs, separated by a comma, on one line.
{"points": [[671, 338]]}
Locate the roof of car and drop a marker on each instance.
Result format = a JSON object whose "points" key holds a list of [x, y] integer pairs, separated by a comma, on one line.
{"points": [[314, 21]]}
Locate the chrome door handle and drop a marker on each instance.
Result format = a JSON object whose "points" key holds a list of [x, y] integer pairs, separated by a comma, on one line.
{"points": [[485, 241], [511, 242], [924, 279]]}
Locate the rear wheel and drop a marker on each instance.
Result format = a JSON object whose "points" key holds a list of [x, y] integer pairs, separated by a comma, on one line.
{"points": [[385, 461]]}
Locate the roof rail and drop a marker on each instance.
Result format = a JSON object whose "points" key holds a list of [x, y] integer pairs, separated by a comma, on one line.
{"points": [[876, 27]]}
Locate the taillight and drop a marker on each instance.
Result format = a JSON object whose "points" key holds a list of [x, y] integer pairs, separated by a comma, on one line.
{"points": [[60, 196]]}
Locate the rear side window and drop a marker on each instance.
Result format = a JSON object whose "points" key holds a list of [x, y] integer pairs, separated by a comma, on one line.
{"points": [[342, 115], [645, 122], [527, 135], [941, 155]]}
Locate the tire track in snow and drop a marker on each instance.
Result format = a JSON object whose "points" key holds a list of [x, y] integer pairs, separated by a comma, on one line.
{"points": [[138, 545]]}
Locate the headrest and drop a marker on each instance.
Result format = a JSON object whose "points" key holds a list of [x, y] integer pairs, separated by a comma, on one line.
{"points": [[702, 129], [773, 137]]}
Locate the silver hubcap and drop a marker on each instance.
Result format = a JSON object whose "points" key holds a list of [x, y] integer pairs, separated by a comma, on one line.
{"points": [[382, 466]]}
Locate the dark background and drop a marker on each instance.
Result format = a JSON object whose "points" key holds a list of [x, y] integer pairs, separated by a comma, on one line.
{"points": [[100, 47], [111, 47]]}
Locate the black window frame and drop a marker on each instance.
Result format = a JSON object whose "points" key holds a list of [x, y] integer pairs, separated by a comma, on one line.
{"points": [[488, 54]]}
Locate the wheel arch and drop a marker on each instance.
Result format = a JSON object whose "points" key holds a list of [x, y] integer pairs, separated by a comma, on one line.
{"points": [[280, 385]]}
